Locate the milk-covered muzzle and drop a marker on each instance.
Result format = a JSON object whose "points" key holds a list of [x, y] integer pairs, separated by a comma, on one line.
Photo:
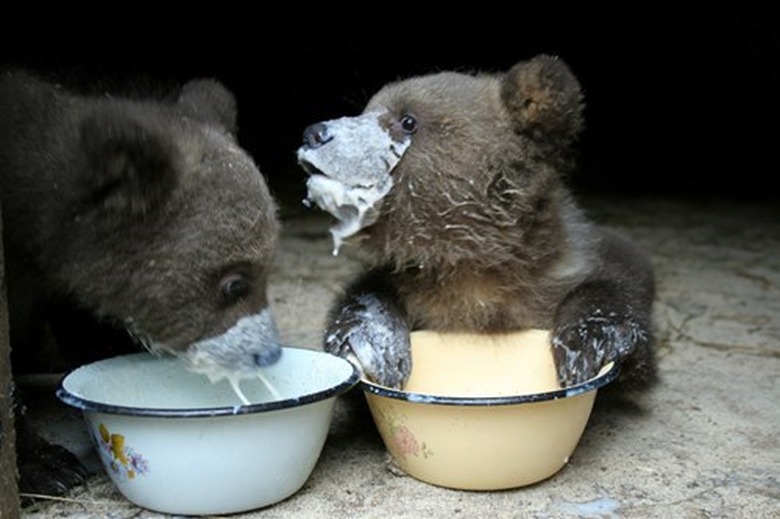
{"points": [[349, 161], [253, 342]]}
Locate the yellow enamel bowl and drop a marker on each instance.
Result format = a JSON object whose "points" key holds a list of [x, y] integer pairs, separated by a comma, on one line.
{"points": [[173, 442], [483, 412]]}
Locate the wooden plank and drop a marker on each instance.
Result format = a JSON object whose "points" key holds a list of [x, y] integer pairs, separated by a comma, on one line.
{"points": [[9, 493]]}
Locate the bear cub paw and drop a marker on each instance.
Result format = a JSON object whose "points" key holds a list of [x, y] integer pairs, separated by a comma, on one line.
{"points": [[582, 348], [46, 469], [374, 337]]}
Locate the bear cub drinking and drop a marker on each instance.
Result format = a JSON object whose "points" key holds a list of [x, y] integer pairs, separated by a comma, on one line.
{"points": [[141, 212], [453, 188]]}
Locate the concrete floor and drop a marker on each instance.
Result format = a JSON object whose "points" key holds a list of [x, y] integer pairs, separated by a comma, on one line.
{"points": [[704, 443]]}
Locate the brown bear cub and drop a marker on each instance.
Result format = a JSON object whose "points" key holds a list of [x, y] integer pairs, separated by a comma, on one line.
{"points": [[140, 212], [452, 186]]}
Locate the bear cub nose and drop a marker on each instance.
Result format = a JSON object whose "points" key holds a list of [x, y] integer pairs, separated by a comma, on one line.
{"points": [[267, 357], [316, 135]]}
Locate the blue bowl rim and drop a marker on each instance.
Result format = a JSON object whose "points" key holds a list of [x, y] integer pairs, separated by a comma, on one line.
{"points": [[87, 405], [611, 373]]}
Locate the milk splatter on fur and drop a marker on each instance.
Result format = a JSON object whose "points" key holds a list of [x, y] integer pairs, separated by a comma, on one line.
{"points": [[348, 180], [239, 352]]}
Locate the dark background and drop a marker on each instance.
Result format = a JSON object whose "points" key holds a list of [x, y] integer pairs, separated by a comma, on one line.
{"points": [[680, 100]]}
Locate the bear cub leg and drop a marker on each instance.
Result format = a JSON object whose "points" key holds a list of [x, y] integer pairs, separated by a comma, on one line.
{"points": [[608, 317]]}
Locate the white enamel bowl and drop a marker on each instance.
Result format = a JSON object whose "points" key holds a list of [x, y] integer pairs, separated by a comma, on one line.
{"points": [[483, 412], [173, 442]]}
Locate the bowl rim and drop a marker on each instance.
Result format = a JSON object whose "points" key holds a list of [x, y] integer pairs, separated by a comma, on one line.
{"points": [[88, 405], [608, 373]]}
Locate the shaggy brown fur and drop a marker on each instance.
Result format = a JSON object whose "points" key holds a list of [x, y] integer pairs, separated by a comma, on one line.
{"points": [[479, 232], [138, 212]]}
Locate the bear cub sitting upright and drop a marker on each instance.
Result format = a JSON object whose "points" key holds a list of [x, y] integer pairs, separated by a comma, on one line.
{"points": [[139, 212], [452, 185]]}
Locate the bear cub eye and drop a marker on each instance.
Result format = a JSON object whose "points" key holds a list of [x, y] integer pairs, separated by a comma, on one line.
{"points": [[234, 287], [408, 123]]}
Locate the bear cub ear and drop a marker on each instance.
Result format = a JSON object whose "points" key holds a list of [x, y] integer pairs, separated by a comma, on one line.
{"points": [[131, 163], [543, 95], [208, 101]]}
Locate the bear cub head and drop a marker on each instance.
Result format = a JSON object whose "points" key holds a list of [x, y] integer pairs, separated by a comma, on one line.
{"points": [[146, 212], [473, 158]]}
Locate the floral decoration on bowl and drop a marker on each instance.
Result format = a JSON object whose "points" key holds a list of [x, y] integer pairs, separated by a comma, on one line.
{"points": [[117, 456], [404, 442]]}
